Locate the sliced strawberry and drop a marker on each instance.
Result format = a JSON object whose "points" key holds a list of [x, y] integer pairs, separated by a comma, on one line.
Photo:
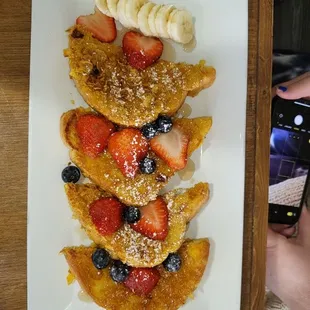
{"points": [[142, 281], [154, 220], [128, 147], [172, 147], [106, 214], [101, 26], [94, 132], [141, 51]]}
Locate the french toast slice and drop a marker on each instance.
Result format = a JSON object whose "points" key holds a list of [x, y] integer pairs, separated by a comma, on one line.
{"points": [[127, 96], [104, 172], [130, 246], [171, 292]]}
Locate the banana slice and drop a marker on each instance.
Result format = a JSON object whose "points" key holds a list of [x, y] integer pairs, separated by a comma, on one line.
{"points": [[132, 9], [180, 26], [143, 15], [103, 7], [152, 19], [121, 12], [112, 8], [161, 20]]}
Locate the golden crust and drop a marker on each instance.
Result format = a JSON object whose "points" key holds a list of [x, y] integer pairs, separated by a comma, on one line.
{"points": [[127, 96], [171, 292], [104, 172], [128, 245]]}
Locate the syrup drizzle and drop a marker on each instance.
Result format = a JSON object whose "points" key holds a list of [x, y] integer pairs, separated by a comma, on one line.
{"points": [[84, 297], [185, 111], [187, 173]]}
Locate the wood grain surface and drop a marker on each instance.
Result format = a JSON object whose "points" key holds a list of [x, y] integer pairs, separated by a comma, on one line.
{"points": [[257, 153], [14, 73], [14, 81]]}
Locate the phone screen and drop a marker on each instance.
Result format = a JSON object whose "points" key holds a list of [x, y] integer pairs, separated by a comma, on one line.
{"points": [[289, 152]]}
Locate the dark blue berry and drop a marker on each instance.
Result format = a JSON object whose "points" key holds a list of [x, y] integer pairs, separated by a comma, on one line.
{"points": [[164, 124], [147, 165], [101, 258], [71, 174], [119, 271], [149, 131], [173, 262], [131, 215]]}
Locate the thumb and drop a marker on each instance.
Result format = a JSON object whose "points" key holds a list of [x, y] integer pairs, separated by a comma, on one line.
{"points": [[304, 227], [274, 239], [296, 90]]}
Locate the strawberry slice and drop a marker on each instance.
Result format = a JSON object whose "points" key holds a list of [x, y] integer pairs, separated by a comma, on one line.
{"points": [[142, 281], [172, 147], [101, 26], [141, 51], [106, 214], [94, 132], [154, 220], [128, 147]]}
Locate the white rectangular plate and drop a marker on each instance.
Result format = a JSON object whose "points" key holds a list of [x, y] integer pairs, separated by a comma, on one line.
{"points": [[221, 32]]}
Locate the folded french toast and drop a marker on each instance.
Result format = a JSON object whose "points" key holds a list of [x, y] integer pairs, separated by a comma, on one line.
{"points": [[164, 287], [139, 241], [125, 163], [125, 95]]}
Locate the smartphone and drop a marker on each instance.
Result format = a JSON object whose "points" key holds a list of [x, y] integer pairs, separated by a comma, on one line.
{"points": [[289, 159]]}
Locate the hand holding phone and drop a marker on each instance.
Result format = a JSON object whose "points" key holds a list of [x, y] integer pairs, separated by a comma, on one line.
{"points": [[289, 159]]}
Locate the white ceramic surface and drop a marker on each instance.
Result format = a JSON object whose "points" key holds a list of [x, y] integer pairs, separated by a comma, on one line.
{"points": [[221, 31]]}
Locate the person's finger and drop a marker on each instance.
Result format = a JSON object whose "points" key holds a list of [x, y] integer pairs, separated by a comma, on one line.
{"points": [[284, 230], [298, 89], [274, 239], [304, 227], [288, 232], [296, 79], [278, 227]]}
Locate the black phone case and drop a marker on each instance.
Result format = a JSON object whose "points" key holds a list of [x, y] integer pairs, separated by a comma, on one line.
{"points": [[281, 214]]}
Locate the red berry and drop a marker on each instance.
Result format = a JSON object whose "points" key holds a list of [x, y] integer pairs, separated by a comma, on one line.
{"points": [[172, 147], [141, 51], [106, 214], [142, 281], [154, 220], [101, 26], [94, 132], [128, 147]]}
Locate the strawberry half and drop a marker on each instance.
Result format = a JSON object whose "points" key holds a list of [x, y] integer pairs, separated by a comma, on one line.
{"points": [[106, 214], [94, 132], [101, 26], [142, 281], [141, 51], [128, 147], [172, 147], [154, 220]]}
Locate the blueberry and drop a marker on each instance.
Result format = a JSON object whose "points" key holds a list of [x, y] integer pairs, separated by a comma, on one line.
{"points": [[71, 174], [173, 262], [101, 258], [119, 271], [164, 124], [149, 131], [147, 165], [131, 215]]}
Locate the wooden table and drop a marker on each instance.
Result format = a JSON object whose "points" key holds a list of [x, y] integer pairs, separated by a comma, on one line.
{"points": [[14, 80]]}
